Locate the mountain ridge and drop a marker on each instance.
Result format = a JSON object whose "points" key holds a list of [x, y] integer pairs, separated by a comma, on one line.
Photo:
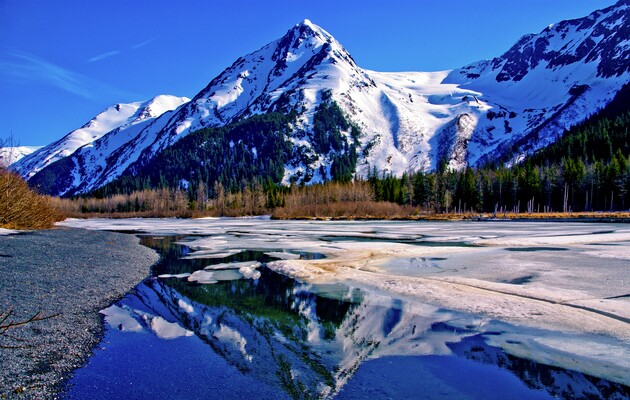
{"points": [[115, 118], [501, 108]]}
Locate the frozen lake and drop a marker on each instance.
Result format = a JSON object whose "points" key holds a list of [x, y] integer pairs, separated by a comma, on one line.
{"points": [[254, 307]]}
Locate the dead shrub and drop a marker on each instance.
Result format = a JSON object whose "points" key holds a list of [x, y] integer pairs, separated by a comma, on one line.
{"points": [[21, 207]]}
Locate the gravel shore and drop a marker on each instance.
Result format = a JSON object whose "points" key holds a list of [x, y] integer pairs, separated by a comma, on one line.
{"points": [[72, 273]]}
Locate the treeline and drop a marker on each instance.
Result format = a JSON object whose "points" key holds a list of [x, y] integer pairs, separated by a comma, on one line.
{"points": [[167, 202], [569, 186], [338, 200], [332, 199]]}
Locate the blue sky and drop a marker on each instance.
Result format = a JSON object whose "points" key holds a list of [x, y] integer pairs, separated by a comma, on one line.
{"points": [[64, 61]]}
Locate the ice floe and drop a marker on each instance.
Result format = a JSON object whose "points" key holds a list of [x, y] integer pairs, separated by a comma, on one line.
{"points": [[178, 276], [283, 255]]}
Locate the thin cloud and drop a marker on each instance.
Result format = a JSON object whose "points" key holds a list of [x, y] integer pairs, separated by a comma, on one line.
{"points": [[137, 46], [104, 56], [30, 68], [112, 53]]}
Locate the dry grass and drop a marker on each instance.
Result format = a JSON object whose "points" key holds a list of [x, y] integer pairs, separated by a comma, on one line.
{"points": [[348, 210], [21, 207], [162, 203]]}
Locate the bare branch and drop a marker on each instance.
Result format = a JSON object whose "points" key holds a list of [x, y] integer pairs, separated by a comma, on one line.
{"points": [[7, 324]]}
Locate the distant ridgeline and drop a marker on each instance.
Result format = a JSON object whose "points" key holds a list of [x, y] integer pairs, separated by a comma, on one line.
{"points": [[252, 151]]}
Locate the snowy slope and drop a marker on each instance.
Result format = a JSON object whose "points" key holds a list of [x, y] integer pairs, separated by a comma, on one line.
{"points": [[104, 122], [550, 81], [10, 155], [91, 165], [119, 116], [497, 108], [397, 112]]}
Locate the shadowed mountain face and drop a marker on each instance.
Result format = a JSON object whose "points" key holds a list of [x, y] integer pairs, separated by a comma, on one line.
{"points": [[494, 109]]}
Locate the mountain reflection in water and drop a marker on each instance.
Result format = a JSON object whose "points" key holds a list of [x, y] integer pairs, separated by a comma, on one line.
{"points": [[275, 337]]}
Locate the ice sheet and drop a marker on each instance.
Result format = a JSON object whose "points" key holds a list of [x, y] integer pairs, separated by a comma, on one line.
{"points": [[548, 275]]}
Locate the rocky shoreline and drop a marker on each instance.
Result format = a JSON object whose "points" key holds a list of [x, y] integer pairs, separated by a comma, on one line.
{"points": [[70, 274]]}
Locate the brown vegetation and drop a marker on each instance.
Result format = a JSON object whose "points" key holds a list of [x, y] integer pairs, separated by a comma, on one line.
{"points": [[619, 216], [163, 203], [21, 207], [339, 201], [353, 200], [347, 210], [330, 200]]}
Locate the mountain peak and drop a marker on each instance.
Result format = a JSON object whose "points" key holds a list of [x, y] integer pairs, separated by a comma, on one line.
{"points": [[307, 31], [307, 26], [306, 22], [598, 40], [268, 78]]}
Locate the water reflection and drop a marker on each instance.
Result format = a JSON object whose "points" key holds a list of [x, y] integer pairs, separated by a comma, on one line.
{"points": [[274, 337]]}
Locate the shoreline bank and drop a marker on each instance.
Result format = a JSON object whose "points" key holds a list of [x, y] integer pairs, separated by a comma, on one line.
{"points": [[68, 272]]}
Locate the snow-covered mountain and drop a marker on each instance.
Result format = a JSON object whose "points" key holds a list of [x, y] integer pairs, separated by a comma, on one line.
{"points": [[398, 113], [116, 118], [491, 109], [10, 155]]}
